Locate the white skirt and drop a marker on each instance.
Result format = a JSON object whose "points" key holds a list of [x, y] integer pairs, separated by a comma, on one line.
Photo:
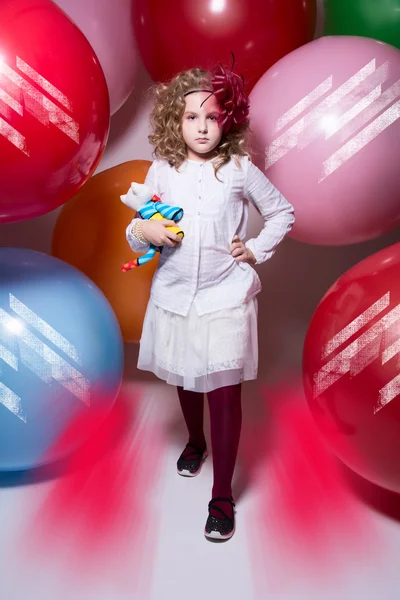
{"points": [[200, 353]]}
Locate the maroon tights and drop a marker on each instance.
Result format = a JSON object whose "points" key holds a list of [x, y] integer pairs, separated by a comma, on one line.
{"points": [[226, 422]]}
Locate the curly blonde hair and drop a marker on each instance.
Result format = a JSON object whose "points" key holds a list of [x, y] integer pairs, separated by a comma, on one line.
{"points": [[166, 122]]}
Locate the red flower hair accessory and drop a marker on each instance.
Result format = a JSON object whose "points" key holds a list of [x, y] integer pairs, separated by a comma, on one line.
{"points": [[228, 88]]}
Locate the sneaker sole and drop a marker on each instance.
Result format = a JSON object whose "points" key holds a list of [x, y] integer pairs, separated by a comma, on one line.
{"points": [[186, 473], [215, 535]]}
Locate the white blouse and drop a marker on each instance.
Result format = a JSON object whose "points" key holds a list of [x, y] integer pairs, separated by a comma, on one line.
{"points": [[201, 268]]}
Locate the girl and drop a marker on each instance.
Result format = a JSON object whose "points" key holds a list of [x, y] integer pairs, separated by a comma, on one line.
{"points": [[200, 328]]}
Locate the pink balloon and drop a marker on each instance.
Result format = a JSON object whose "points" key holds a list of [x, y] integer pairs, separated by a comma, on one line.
{"points": [[108, 27], [326, 132]]}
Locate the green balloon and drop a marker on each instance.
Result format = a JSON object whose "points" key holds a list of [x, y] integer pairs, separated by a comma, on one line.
{"points": [[378, 19]]}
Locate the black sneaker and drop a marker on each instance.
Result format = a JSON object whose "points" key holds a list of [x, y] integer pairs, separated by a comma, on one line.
{"points": [[191, 464], [220, 528]]}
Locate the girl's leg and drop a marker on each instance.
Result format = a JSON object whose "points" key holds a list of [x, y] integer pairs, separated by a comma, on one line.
{"points": [[226, 423], [192, 404]]}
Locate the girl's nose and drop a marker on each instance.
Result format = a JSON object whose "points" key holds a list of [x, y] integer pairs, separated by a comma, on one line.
{"points": [[203, 126]]}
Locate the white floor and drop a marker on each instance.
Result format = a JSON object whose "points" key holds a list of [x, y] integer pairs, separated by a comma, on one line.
{"points": [[175, 561]]}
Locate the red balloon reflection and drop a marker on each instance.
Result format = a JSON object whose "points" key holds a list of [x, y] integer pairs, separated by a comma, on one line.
{"points": [[54, 109], [351, 368]]}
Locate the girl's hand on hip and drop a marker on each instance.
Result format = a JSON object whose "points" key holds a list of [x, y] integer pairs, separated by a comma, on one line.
{"points": [[240, 252]]}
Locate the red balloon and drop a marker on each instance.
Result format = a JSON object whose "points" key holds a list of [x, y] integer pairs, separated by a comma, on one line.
{"points": [[180, 34], [351, 368], [54, 109]]}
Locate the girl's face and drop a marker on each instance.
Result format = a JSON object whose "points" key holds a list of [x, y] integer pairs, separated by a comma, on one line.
{"points": [[200, 129]]}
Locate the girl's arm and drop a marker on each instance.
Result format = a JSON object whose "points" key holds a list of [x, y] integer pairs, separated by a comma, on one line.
{"points": [[277, 212], [135, 244]]}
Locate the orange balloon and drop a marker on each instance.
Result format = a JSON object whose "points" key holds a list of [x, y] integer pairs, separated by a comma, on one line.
{"points": [[90, 235]]}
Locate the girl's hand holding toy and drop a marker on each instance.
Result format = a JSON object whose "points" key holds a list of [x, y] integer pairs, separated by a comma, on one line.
{"points": [[156, 233]]}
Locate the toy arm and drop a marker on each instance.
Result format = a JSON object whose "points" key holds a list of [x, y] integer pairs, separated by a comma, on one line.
{"points": [[142, 260]]}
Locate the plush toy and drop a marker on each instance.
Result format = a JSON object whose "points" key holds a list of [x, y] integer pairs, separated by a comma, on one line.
{"points": [[149, 206]]}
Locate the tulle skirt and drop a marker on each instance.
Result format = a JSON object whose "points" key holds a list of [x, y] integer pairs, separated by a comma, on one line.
{"points": [[200, 353]]}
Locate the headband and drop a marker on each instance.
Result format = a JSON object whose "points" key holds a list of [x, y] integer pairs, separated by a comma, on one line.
{"points": [[228, 88], [194, 91]]}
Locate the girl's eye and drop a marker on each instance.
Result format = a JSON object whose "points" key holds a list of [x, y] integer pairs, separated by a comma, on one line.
{"points": [[190, 117]]}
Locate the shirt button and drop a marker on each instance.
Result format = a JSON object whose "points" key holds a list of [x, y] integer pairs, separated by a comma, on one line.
{"points": [[199, 197], [199, 213]]}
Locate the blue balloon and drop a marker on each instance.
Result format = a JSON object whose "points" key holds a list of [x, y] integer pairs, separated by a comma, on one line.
{"points": [[61, 355]]}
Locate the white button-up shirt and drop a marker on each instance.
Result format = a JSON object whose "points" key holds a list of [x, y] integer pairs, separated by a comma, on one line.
{"points": [[201, 268]]}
